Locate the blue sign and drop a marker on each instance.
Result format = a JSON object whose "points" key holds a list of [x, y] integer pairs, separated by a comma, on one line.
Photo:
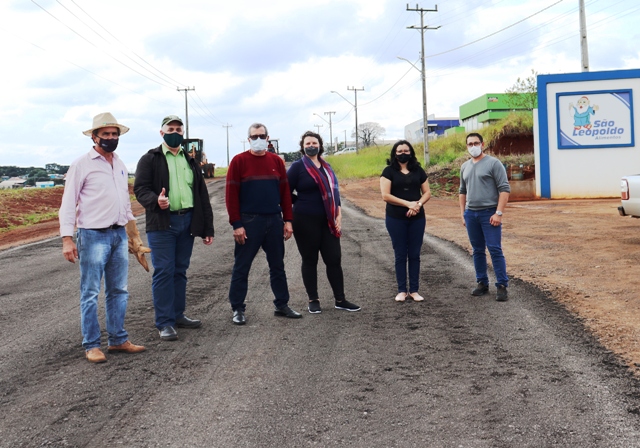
{"points": [[596, 119]]}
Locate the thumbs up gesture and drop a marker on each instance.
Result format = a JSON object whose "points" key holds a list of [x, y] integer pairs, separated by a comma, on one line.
{"points": [[163, 201]]}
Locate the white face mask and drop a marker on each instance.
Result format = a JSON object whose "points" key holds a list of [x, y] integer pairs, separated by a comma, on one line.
{"points": [[475, 151], [258, 145]]}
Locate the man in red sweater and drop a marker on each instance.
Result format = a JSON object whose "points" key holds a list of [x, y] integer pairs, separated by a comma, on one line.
{"points": [[259, 206]]}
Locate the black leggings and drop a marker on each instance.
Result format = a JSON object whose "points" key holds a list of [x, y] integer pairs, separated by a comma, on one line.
{"points": [[312, 236]]}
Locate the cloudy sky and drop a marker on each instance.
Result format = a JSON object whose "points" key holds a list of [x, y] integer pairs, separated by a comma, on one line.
{"points": [[275, 62]]}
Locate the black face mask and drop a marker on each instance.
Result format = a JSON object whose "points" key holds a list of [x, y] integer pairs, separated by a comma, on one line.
{"points": [[311, 150], [108, 144], [403, 158]]}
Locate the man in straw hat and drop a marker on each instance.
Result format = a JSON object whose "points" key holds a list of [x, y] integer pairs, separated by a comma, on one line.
{"points": [[170, 186], [96, 201]]}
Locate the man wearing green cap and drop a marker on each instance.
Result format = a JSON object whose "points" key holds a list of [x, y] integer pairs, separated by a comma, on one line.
{"points": [[170, 186]]}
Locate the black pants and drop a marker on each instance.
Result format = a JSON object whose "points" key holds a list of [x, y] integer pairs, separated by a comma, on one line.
{"points": [[313, 237]]}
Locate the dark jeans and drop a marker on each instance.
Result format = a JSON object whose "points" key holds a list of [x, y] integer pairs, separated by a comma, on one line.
{"points": [[313, 236], [266, 231], [406, 237], [483, 235], [170, 254]]}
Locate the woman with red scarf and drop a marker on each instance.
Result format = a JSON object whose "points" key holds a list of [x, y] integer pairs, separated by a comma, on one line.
{"points": [[317, 221]]}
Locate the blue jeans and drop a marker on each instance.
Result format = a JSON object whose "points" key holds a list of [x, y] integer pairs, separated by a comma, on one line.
{"points": [[103, 252], [406, 237], [170, 254], [483, 235], [266, 231]]}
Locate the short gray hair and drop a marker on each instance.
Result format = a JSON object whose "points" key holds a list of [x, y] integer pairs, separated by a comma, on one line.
{"points": [[257, 126]]}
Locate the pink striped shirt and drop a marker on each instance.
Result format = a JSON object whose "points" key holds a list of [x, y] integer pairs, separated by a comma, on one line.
{"points": [[96, 194]]}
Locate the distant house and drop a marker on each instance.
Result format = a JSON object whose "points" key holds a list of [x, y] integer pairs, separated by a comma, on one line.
{"points": [[13, 182]]}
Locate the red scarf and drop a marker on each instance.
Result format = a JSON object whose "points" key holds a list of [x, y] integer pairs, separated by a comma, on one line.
{"points": [[328, 189]]}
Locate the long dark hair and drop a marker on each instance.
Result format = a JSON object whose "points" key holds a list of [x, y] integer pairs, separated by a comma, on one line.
{"points": [[413, 162]]}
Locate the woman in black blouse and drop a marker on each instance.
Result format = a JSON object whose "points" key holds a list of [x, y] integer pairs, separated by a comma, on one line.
{"points": [[405, 189]]}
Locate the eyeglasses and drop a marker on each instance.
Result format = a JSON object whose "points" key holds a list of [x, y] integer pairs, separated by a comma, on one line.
{"points": [[258, 136], [472, 144]]}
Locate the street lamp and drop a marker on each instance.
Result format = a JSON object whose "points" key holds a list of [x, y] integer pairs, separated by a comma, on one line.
{"points": [[425, 122], [355, 107], [330, 126]]}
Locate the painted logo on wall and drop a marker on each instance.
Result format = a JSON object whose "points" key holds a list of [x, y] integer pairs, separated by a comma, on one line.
{"points": [[597, 119]]}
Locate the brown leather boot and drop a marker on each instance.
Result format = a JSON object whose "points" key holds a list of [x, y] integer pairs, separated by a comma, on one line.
{"points": [[95, 355], [126, 347]]}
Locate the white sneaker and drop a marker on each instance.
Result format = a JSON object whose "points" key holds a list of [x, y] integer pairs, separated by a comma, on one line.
{"points": [[401, 296], [416, 297]]}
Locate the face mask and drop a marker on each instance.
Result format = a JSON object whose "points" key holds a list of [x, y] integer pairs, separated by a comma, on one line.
{"points": [[474, 150], [311, 151], [173, 140], [403, 158], [107, 144], [258, 145]]}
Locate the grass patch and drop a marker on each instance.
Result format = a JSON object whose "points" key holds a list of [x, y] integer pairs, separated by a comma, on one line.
{"points": [[446, 155]]}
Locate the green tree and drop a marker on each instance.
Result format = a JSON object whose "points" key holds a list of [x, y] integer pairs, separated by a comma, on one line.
{"points": [[524, 93]]}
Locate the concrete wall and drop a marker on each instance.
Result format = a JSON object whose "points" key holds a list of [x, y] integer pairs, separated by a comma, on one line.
{"points": [[571, 164]]}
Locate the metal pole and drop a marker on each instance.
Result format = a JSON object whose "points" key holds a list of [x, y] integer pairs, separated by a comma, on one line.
{"points": [[318, 126], [331, 130], [355, 91], [583, 38], [186, 107]]}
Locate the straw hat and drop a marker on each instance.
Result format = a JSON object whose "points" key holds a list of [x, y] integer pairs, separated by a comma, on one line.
{"points": [[105, 120]]}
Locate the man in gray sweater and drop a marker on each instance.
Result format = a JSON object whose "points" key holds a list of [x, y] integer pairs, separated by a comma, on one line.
{"points": [[484, 193]]}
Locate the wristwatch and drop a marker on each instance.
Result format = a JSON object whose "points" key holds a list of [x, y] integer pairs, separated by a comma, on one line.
{"points": [[498, 212], [420, 203]]}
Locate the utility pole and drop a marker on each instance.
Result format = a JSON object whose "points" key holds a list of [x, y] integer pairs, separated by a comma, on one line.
{"points": [[355, 106], [227, 126], [331, 130], [345, 139], [186, 106], [355, 91], [244, 142], [425, 121], [330, 127], [318, 126], [583, 38]]}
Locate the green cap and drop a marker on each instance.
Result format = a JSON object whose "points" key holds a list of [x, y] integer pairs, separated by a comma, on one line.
{"points": [[170, 118]]}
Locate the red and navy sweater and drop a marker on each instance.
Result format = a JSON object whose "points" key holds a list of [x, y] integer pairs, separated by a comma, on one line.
{"points": [[257, 185]]}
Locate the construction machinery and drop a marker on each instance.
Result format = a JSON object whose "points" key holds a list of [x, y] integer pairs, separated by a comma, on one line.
{"points": [[195, 148]]}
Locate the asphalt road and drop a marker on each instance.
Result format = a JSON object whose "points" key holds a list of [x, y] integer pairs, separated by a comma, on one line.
{"points": [[453, 371]]}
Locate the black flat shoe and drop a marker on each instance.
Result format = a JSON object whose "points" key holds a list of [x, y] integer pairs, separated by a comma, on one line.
{"points": [[168, 333], [185, 322], [238, 317], [287, 312]]}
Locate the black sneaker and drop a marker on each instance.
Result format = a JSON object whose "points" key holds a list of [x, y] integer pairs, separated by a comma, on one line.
{"points": [[502, 295], [481, 289], [347, 306], [314, 307]]}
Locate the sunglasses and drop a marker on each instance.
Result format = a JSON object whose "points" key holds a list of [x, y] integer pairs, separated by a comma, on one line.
{"points": [[258, 136]]}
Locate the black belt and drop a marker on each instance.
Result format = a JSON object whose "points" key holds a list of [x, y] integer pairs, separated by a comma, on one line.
{"points": [[111, 227], [184, 211]]}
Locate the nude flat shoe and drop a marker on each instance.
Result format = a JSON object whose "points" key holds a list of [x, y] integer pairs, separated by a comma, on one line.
{"points": [[401, 296], [416, 297]]}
